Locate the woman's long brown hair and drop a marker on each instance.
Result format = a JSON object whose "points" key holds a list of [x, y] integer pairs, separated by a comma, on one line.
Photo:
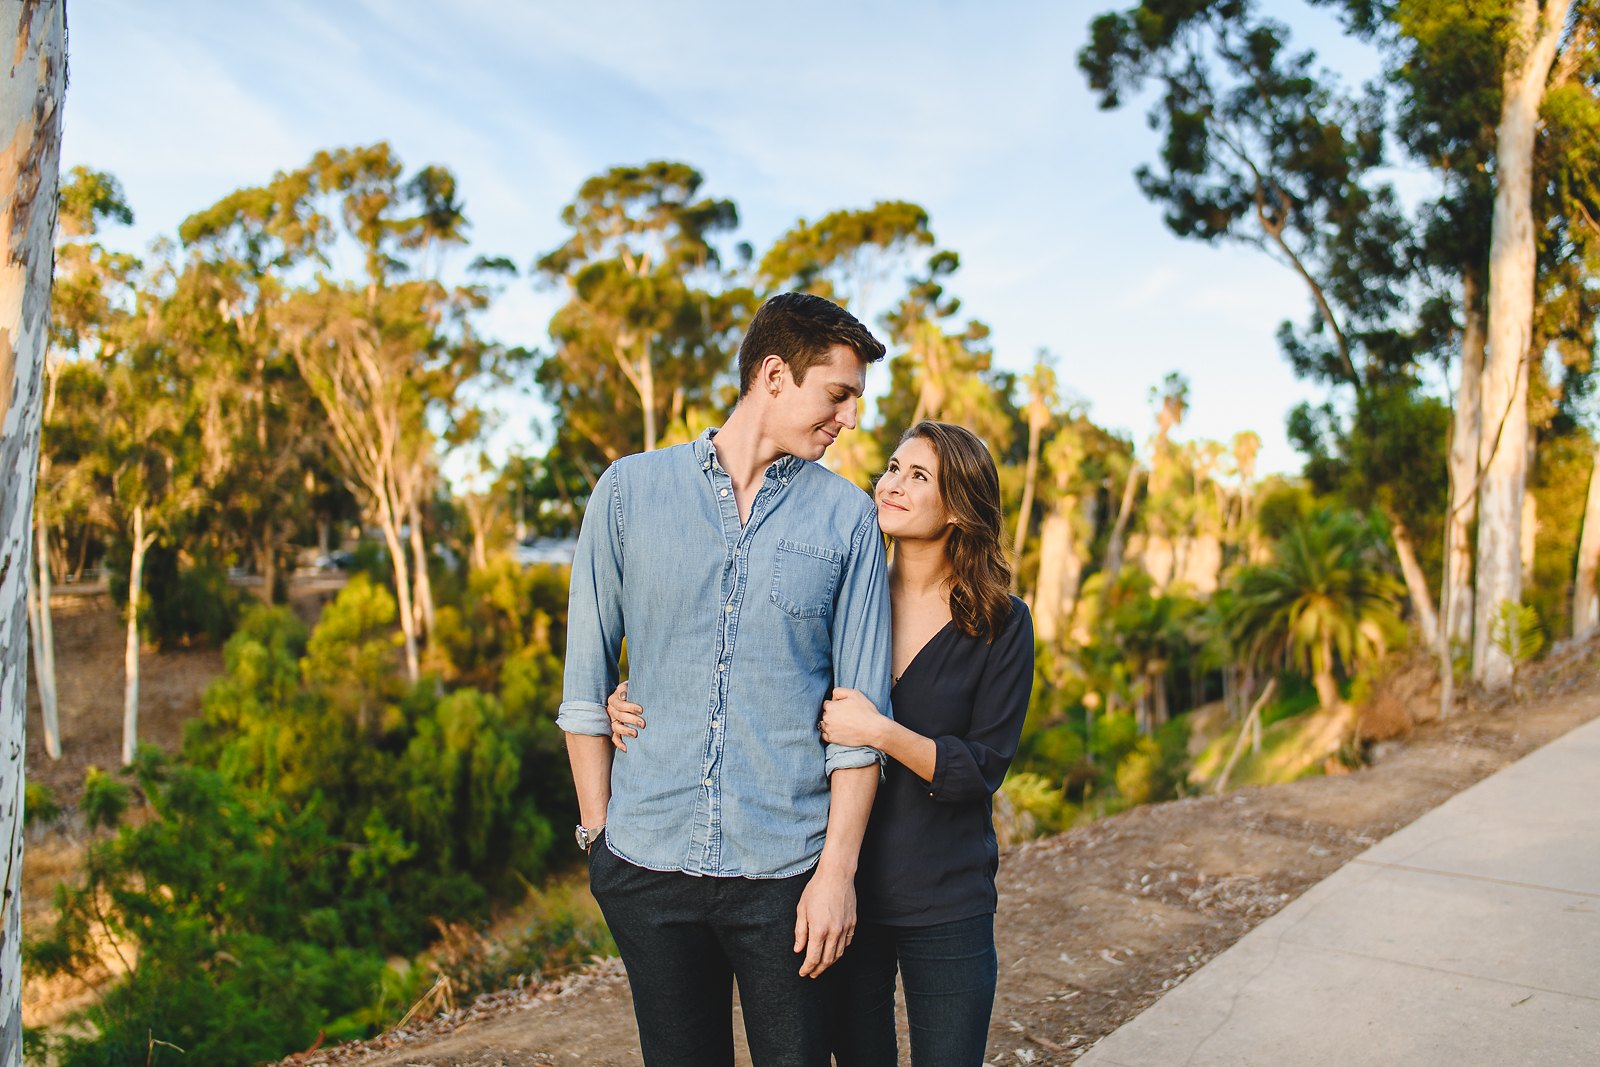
{"points": [[980, 581]]}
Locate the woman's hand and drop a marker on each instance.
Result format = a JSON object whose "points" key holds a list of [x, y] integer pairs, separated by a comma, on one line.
{"points": [[626, 719], [851, 719]]}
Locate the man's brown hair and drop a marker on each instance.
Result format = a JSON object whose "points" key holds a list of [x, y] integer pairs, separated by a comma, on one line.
{"points": [[799, 329]]}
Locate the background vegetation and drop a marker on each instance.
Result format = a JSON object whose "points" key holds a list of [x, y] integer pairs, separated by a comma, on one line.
{"points": [[231, 408]]}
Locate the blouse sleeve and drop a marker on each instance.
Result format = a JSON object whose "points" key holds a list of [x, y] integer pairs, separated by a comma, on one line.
{"points": [[972, 767]]}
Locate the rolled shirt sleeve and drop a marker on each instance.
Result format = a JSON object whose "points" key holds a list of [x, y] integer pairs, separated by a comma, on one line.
{"points": [[972, 766], [594, 614], [863, 652]]}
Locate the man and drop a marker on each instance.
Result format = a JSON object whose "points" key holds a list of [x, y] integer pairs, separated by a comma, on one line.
{"points": [[748, 581]]}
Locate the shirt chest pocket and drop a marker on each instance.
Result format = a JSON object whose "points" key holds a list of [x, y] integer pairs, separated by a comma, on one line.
{"points": [[804, 578]]}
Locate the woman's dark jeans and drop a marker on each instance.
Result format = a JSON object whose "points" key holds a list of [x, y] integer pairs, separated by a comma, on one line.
{"points": [[683, 941], [948, 972]]}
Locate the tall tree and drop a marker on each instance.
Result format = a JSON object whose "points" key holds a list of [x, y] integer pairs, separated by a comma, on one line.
{"points": [[1041, 383], [258, 426], [147, 467], [1261, 148], [940, 370], [30, 129], [848, 256], [375, 414], [1534, 34], [84, 312], [642, 327]]}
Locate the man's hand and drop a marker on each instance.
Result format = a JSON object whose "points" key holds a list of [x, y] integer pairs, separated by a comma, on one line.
{"points": [[825, 921]]}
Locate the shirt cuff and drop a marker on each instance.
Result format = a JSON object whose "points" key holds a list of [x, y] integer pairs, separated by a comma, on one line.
{"points": [[844, 757], [583, 717], [940, 782]]}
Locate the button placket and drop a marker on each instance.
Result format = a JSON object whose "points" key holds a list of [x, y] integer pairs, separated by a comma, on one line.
{"points": [[710, 850]]}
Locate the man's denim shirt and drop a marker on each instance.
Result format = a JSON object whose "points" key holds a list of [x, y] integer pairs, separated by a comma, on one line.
{"points": [[735, 637]]}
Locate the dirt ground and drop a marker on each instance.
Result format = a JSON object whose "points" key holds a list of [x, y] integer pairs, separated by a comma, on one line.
{"points": [[1097, 923], [1094, 924]]}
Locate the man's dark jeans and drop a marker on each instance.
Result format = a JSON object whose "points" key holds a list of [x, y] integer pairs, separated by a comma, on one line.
{"points": [[948, 972], [684, 939]]}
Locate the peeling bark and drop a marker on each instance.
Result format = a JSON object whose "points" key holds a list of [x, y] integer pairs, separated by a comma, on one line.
{"points": [[1466, 434], [1536, 34], [30, 156], [42, 630], [130, 656]]}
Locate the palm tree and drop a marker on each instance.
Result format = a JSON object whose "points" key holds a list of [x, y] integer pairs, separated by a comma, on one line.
{"points": [[1326, 602]]}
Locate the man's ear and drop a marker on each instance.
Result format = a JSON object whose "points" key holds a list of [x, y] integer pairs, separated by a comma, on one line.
{"points": [[773, 374]]}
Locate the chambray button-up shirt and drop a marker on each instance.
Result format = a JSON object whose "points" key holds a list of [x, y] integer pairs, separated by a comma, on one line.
{"points": [[735, 636]]}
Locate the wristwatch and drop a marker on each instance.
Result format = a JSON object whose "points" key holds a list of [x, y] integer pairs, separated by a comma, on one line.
{"points": [[588, 835]]}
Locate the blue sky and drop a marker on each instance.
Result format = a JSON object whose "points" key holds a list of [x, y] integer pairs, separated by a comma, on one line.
{"points": [[974, 110]]}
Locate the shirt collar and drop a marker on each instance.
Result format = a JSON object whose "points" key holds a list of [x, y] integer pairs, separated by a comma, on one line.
{"points": [[784, 467]]}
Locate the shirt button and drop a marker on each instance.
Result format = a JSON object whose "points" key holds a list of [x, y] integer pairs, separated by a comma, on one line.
{"points": [[722, 666], [715, 724], [728, 608], [722, 492], [708, 783]]}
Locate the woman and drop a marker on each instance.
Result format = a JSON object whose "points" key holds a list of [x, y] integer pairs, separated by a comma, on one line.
{"points": [[963, 672]]}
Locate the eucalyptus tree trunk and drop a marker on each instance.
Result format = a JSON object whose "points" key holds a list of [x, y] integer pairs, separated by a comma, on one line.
{"points": [[1030, 478], [142, 540], [42, 630], [1416, 582], [1117, 546], [388, 520], [1456, 593], [647, 398], [30, 133], [1536, 34], [419, 564], [1060, 570], [1585, 597]]}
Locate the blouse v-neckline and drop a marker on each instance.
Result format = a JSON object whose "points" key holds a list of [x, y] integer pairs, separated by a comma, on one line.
{"points": [[912, 665]]}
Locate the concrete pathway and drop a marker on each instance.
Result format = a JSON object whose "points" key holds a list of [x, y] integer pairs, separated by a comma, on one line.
{"points": [[1470, 937]]}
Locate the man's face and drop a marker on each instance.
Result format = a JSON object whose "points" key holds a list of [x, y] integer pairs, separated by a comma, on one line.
{"points": [[809, 415]]}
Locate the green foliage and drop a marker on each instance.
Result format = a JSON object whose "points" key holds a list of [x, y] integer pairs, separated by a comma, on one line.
{"points": [[104, 798], [555, 931], [1031, 805], [430, 791], [182, 602], [39, 804], [369, 557], [1559, 484], [1295, 697], [1138, 776], [1058, 749], [504, 611], [1155, 768], [1113, 737], [1516, 631], [228, 894], [1325, 601]]}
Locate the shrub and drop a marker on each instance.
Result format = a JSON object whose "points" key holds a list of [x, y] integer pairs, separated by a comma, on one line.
{"points": [[225, 892], [1030, 805]]}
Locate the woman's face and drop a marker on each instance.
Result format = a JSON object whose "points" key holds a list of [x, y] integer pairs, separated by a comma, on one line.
{"points": [[909, 505]]}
